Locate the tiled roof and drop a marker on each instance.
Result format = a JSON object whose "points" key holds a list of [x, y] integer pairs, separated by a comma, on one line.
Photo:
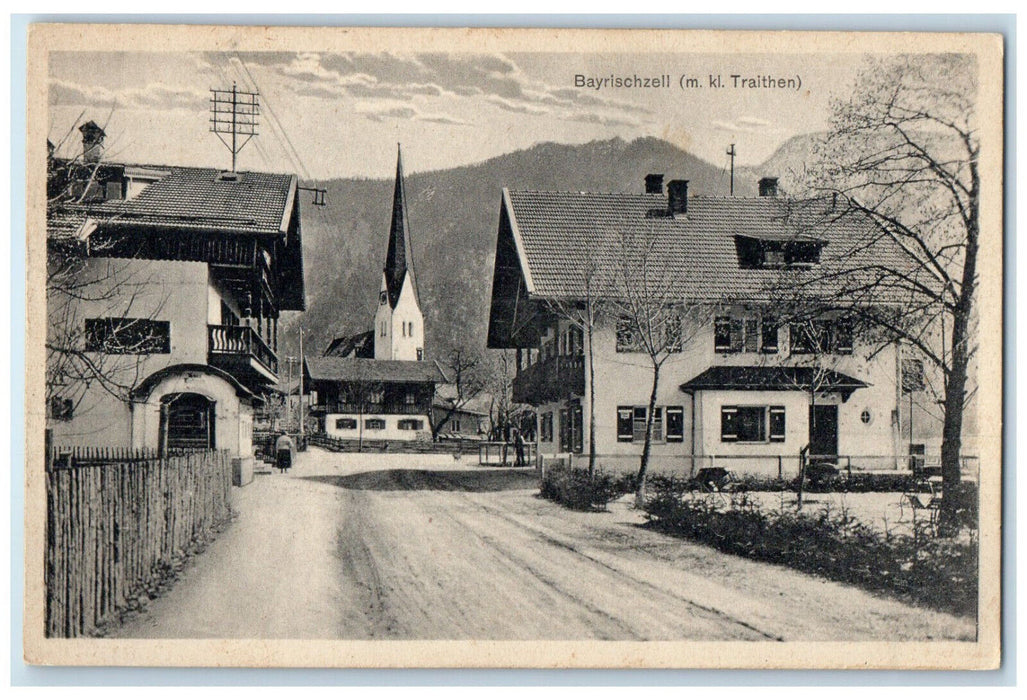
{"points": [[694, 255], [771, 378], [355, 369], [199, 198], [359, 345]]}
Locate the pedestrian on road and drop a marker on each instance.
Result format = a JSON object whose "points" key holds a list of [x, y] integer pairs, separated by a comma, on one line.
{"points": [[519, 443], [285, 448]]}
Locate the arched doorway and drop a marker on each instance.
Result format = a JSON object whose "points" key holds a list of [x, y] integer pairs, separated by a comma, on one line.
{"points": [[187, 422]]}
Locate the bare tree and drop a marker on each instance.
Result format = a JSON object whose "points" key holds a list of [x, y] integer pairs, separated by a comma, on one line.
{"points": [[651, 319], [903, 150], [106, 350], [586, 314], [465, 371]]}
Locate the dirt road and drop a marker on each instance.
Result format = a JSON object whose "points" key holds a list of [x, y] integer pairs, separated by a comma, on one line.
{"points": [[343, 549]]}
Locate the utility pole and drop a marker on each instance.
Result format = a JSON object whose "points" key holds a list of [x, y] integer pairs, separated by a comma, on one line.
{"points": [[302, 426], [731, 152]]}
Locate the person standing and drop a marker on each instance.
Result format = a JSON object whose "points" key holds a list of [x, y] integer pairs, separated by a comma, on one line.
{"points": [[285, 448], [519, 444]]}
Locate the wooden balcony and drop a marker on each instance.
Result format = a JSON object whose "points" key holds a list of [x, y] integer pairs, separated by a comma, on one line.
{"points": [[240, 351], [552, 379]]}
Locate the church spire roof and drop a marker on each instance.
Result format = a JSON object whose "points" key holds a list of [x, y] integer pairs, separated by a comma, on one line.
{"points": [[398, 261]]}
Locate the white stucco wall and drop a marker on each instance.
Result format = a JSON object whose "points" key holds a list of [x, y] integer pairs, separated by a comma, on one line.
{"points": [[390, 432], [625, 379], [398, 342], [173, 291]]}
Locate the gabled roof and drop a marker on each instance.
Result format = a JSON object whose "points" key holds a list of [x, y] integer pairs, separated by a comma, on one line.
{"points": [[771, 378], [559, 234], [358, 369], [359, 345], [207, 199]]}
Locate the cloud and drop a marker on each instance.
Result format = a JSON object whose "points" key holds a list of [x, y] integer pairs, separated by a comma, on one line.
{"points": [[149, 97], [496, 78], [746, 125]]}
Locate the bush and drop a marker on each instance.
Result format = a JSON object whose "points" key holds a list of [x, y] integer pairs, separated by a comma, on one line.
{"points": [[941, 573], [575, 489]]}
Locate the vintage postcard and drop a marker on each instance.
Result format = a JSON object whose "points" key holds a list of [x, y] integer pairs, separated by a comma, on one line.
{"points": [[513, 348]]}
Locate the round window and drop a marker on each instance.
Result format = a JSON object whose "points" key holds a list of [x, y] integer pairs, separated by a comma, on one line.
{"points": [[866, 416]]}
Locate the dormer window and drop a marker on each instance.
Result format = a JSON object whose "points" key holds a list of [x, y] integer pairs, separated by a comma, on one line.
{"points": [[773, 252]]}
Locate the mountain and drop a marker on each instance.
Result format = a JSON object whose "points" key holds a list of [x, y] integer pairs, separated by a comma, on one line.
{"points": [[788, 163], [453, 218]]}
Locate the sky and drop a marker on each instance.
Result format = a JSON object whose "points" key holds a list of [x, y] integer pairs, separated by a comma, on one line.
{"points": [[341, 114]]}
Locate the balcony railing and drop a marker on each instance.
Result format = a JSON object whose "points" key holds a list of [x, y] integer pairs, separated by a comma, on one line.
{"points": [[552, 379], [241, 342]]}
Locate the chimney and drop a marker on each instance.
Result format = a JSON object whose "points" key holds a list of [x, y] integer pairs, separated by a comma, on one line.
{"points": [[768, 187], [677, 197], [654, 183], [92, 142]]}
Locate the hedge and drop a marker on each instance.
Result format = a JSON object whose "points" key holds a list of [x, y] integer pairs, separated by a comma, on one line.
{"points": [[937, 572]]}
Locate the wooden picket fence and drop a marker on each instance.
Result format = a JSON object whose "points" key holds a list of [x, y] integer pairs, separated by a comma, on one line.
{"points": [[117, 520]]}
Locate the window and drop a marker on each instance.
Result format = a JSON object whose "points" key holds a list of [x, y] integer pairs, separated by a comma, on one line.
{"points": [[675, 424], [420, 354], [374, 424], [577, 341], [752, 335], [415, 424], [731, 335], [128, 336], [455, 423], [345, 423], [749, 424], [912, 375], [866, 416], [376, 396], [631, 423], [410, 398], [672, 329], [821, 336], [546, 427], [61, 409], [627, 336], [382, 298]]}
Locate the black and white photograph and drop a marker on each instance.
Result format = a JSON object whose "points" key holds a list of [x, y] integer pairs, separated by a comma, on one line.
{"points": [[524, 348]]}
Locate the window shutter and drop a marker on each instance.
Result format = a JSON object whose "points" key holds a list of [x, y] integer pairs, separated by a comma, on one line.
{"points": [[728, 424], [843, 337], [675, 424], [769, 339], [777, 423]]}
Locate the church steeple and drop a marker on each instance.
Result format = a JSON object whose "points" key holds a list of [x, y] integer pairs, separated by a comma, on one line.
{"points": [[398, 261]]}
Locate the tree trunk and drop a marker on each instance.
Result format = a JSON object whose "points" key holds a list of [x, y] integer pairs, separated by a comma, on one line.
{"points": [[643, 467], [955, 387]]}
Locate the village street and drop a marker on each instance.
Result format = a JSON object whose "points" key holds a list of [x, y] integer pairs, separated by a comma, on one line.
{"points": [[363, 547]]}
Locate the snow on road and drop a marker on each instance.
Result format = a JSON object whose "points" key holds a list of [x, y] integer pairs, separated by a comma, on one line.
{"points": [[367, 547]]}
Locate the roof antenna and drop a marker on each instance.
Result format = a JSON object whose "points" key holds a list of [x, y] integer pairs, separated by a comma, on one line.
{"points": [[234, 113], [731, 152]]}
